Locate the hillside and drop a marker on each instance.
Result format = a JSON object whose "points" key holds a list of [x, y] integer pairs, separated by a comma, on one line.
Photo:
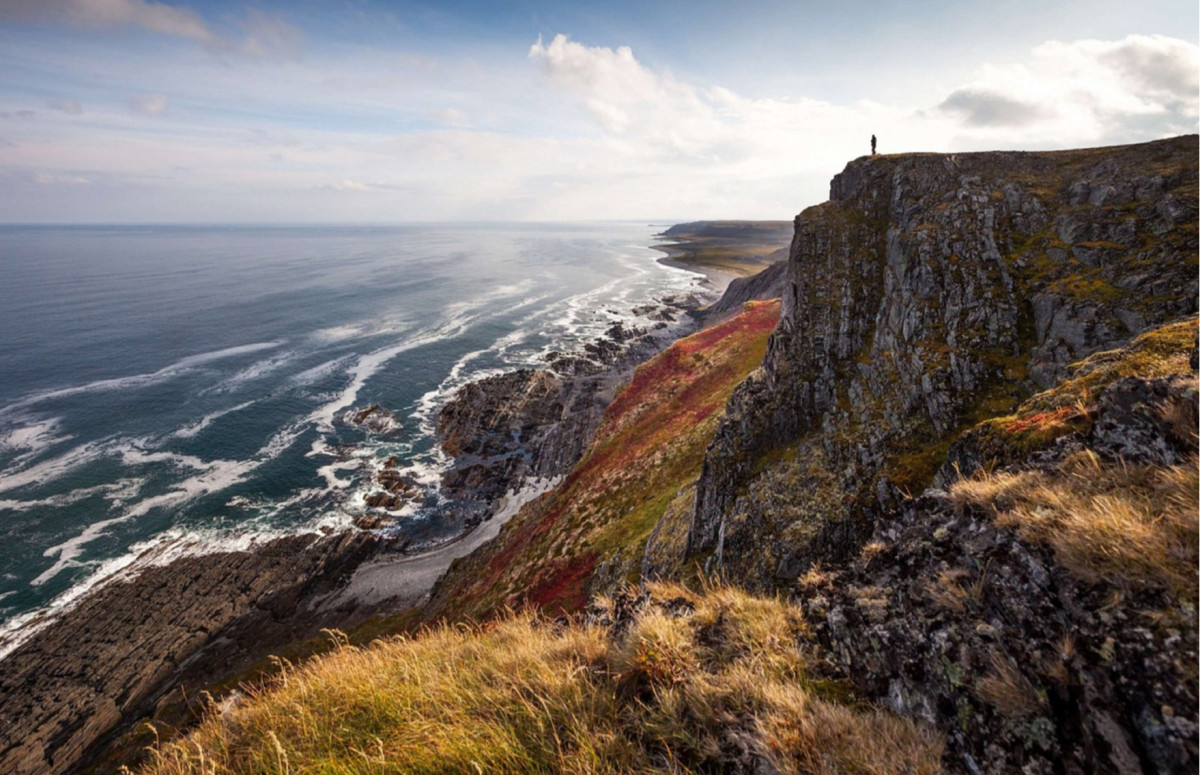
{"points": [[589, 534], [941, 517]]}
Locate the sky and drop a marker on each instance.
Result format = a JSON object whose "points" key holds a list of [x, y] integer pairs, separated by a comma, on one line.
{"points": [[363, 111]]}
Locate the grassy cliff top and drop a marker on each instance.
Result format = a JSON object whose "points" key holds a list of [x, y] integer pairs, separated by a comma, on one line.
{"points": [[676, 683]]}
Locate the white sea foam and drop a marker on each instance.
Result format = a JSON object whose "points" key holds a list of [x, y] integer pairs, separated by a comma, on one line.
{"points": [[251, 373], [30, 437], [46, 470], [192, 429], [338, 333], [211, 476], [33, 436], [368, 365], [320, 371], [138, 380], [118, 491]]}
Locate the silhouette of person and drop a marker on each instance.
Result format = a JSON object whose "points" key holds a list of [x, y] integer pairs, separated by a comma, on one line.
{"points": [[872, 145]]}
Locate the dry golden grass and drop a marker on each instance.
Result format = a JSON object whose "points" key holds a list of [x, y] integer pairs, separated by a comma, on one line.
{"points": [[1007, 688], [1122, 523], [522, 695]]}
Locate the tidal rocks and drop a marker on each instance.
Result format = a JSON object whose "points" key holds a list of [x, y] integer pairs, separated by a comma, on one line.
{"points": [[108, 661], [373, 419], [397, 490], [536, 423]]}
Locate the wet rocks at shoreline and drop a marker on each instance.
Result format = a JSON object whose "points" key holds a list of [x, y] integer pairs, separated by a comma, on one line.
{"points": [[373, 419], [90, 672], [536, 423]]}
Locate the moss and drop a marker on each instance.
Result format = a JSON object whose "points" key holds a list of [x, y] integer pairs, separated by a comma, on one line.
{"points": [[1087, 285], [1160, 352], [913, 470], [1042, 419]]}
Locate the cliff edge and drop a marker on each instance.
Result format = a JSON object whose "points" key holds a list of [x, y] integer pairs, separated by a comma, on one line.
{"points": [[929, 293]]}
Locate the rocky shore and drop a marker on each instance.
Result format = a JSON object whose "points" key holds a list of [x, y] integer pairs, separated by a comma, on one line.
{"points": [[141, 646], [133, 646], [536, 423]]}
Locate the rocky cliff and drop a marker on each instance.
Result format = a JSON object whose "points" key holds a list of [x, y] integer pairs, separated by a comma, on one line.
{"points": [[506, 429], [929, 293], [1043, 613]]}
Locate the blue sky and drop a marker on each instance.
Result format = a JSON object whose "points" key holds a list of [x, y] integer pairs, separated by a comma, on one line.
{"points": [[356, 111]]}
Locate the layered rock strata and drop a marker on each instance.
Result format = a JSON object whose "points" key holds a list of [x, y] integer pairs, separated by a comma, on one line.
{"points": [[112, 659]]}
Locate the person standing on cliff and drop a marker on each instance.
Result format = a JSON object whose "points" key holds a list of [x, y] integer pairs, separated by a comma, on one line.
{"points": [[872, 145]]}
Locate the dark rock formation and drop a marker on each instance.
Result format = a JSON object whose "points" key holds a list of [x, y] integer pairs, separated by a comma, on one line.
{"points": [[111, 659], [930, 292], [947, 616], [537, 423], [373, 419]]}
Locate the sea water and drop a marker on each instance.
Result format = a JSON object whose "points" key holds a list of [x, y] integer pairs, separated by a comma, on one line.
{"points": [[168, 389]]}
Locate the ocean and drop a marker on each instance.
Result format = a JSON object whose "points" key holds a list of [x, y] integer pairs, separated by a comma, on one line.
{"points": [[183, 389]]}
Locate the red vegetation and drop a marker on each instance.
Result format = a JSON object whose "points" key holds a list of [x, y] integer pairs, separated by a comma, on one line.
{"points": [[1041, 420], [650, 445], [562, 587], [682, 363]]}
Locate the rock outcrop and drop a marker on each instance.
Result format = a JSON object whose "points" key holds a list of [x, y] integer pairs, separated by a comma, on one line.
{"points": [[1062, 650], [114, 657], [930, 292], [537, 423]]}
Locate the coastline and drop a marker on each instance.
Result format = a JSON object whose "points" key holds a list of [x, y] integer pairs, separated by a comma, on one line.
{"points": [[724, 251], [201, 618]]}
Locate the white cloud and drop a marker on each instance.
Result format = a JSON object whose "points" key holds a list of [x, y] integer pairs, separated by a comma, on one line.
{"points": [[149, 104], [58, 179], [627, 99], [346, 185], [571, 132], [1085, 90], [452, 117], [262, 34]]}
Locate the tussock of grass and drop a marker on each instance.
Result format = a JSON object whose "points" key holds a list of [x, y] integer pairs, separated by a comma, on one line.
{"points": [[1122, 523], [683, 693]]}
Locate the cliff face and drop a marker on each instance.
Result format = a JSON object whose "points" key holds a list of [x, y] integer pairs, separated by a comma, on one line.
{"points": [[767, 284], [1043, 614], [931, 292]]}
